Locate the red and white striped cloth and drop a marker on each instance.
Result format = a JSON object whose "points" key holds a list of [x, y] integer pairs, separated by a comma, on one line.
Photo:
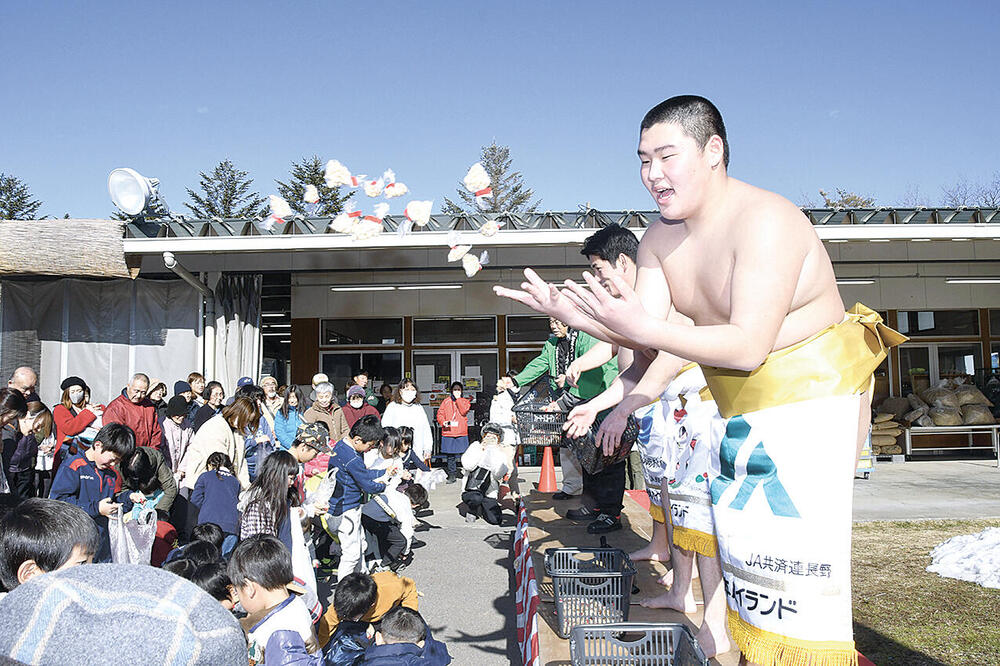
{"points": [[526, 595]]}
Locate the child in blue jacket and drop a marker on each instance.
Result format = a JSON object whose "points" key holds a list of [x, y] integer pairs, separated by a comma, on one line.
{"points": [[353, 480], [88, 479]]}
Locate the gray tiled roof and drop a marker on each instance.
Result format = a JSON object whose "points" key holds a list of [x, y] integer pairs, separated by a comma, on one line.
{"points": [[584, 219]]}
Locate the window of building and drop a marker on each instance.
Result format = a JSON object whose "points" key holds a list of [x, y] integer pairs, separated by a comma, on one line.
{"points": [[527, 328], [371, 331], [923, 366], [915, 323], [382, 367], [995, 323], [455, 330]]}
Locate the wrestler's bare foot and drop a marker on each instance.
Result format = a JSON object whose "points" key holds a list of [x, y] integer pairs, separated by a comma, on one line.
{"points": [[673, 600], [714, 643], [650, 553]]}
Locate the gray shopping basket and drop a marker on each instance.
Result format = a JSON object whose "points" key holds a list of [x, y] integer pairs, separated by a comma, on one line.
{"points": [[635, 644], [589, 585]]}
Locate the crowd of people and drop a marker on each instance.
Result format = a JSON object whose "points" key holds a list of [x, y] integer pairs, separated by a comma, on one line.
{"points": [[253, 496]]}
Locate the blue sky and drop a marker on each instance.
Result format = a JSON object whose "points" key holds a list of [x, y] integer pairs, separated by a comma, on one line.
{"points": [[878, 97]]}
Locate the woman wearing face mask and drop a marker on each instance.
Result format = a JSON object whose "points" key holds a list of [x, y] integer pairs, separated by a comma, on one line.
{"points": [[451, 416], [406, 410], [72, 415], [356, 406]]}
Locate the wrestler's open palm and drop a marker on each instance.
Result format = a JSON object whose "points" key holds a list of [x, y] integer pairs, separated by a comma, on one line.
{"points": [[538, 295], [610, 434], [623, 314], [579, 420]]}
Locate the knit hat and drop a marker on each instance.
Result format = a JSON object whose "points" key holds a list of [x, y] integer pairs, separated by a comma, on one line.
{"points": [[158, 618], [181, 387], [355, 390], [314, 435], [73, 381], [177, 406], [243, 381]]}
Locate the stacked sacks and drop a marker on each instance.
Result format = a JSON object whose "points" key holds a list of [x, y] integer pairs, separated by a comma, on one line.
{"points": [[884, 433], [949, 404], [954, 404]]}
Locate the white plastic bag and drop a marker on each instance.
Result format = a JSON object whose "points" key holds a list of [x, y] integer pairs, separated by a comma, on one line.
{"points": [[324, 491], [431, 479], [302, 563], [132, 539]]}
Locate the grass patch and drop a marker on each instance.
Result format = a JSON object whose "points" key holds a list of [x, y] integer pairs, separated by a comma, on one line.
{"points": [[904, 614]]}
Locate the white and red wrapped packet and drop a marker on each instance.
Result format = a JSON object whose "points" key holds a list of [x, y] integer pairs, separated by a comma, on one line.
{"points": [[395, 189], [477, 181], [279, 211], [345, 222], [458, 249], [311, 194], [370, 226], [418, 212], [337, 174], [473, 264], [373, 188], [491, 227]]}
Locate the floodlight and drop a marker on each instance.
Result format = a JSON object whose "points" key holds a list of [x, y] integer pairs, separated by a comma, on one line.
{"points": [[134, 194]]}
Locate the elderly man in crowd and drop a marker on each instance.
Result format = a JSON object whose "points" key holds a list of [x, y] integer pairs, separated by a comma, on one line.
{"points": [[133, 408], [24, 380]]}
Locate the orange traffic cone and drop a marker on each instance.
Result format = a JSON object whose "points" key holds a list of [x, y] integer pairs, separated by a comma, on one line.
{"points": [[547, 480]]}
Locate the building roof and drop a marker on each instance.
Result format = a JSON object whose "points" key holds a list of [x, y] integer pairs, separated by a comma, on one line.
{"points": [[579, 220]]}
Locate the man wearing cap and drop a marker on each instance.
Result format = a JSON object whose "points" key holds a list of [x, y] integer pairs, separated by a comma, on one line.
{"points": [[357, 405], [311, 439], [272, 399], [360, 378], [318, 378], [133, 408]]}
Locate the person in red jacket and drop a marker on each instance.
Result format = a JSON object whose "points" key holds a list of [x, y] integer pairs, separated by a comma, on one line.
{"points": [[72, 415], [454, 427], [356, 406], [133, 408]]}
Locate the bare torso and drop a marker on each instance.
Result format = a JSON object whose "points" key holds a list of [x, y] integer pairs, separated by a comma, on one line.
{"points": [[699, 261]]}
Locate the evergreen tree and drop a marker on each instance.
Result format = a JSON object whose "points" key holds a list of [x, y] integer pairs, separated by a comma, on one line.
{"points": [[15, 199], [509, 192], [310, 171], [225, 193]]}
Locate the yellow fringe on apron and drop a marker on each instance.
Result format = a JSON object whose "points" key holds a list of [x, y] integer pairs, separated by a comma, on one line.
{"points": [[770, 649], [657, 513], [693, 540]]}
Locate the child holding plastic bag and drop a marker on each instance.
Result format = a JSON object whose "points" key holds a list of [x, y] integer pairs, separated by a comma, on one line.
{"points": [[488, 463]]}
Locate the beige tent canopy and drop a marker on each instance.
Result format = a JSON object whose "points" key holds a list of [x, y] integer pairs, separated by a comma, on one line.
{"points": [[81, 248]]}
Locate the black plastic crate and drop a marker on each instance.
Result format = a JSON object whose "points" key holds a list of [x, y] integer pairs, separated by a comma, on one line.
{"points": [[635, 644], [535, 425], [589, 585]]}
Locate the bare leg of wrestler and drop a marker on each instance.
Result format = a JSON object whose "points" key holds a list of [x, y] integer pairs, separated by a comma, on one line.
{"points": [[680, 595], [713, 637], [656, 550], [864, 422]]}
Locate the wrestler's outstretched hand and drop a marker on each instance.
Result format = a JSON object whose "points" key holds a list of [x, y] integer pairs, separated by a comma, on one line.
{"points": [[540, 296], [623, 315], [579, 420], [610, 434]]}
